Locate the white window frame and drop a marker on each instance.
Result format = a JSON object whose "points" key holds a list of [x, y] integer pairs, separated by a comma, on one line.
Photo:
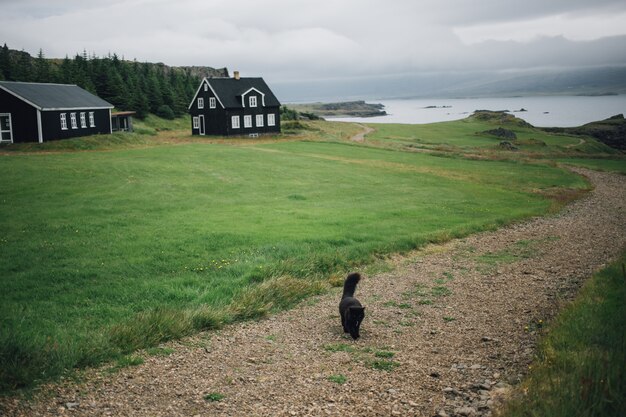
{"points": [[92, 119], [252, 101], [196, 122], [200, 102], [247, 120], [10, 140], [63, 121], [206, 87], [259, 120], [271, 119], [234, 122], [83, 120], [73, 121], [212, 102]]}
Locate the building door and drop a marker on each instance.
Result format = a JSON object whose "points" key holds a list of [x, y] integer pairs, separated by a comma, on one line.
{"points": [[201, 119], [6, 129]]}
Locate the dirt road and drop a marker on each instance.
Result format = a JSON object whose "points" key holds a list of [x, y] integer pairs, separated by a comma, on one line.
{"points": [[446, 333]]}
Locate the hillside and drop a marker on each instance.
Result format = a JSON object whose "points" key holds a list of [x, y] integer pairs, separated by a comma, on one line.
{"points": [[611, 131]]}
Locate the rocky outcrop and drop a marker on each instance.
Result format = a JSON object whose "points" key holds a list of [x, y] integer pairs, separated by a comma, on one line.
{"points": [[501, 133], [611, 131]]}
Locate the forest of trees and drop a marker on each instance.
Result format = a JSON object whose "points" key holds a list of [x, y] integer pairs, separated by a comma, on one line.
{"points": [[129, 85]]}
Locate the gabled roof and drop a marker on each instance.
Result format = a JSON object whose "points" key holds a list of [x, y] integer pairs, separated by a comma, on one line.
{"points": [[229, 91], [54, 96]]}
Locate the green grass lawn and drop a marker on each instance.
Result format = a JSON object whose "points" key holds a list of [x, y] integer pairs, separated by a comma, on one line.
{"points": [[105, 252]]}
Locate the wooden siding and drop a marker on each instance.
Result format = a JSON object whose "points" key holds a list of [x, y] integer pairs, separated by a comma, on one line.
{"points": [[51, 123], [23, 118]]}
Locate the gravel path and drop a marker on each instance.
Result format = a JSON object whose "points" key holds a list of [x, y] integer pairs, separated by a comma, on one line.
{"points": [[360, 137], [446, 333]]}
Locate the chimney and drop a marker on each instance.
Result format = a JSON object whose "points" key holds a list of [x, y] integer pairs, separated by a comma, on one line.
{"points": [[236, 75]]}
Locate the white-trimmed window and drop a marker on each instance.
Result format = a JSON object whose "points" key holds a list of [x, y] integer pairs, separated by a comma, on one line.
{"points": [[196, 122], [247, 121], [73, 121], [252, 101], [83, 120], [212, 102], [271, 119], [259, 120], [200, 103], [206, 87], [6, 131], [92, 120], [234, 121], [63, 121]]}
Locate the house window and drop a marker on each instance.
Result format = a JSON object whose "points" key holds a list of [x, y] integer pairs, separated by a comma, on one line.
{"points": [[63, 121], [234, 120], [200, 103], [73, 120], [196, 123], [247, 121], [206, 87], [252, 101], [212, 102], [6, 133], [271, 119], [92, 120], [83, 120], [259, 120]]}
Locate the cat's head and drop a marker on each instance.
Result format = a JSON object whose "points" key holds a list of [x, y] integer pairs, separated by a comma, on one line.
{"points": [[356, 316]]}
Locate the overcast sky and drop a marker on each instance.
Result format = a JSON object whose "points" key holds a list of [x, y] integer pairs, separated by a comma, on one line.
{"points": [[301, 39]]}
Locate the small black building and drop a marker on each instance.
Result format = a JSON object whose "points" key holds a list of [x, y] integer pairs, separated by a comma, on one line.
{"points": [[38, 112], [234, 106], [122, 121]]}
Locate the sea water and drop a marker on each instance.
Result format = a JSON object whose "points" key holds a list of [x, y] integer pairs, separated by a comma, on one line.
{"points": [[544, 111]]}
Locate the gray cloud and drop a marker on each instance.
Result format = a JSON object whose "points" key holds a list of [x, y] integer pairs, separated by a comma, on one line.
{"points": [[293, 39]]}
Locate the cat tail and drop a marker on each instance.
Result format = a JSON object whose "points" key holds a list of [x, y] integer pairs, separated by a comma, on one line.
{"points": [[350, 285]]}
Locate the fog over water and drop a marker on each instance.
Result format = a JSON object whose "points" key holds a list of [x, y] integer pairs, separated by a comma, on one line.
{"points": [[544, 111]]}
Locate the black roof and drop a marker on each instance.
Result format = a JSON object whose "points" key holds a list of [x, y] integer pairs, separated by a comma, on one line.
{"points": [[55, 96], [230, 90]]}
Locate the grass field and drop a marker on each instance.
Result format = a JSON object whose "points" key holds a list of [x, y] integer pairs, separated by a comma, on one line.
{"points": [[102, 253], [610, 165], [581, 364], [469, 134]]}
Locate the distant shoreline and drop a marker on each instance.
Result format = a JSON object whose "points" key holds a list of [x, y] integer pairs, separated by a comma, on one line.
{"points": [[357, 108], [540, 111]]}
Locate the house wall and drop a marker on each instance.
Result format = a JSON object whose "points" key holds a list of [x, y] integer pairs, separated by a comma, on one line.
{"points": [[51, 123], [214, 119], [254, 129], [23, 118]]}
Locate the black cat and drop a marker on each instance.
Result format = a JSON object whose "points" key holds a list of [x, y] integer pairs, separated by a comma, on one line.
{"points": [[351, 310]]}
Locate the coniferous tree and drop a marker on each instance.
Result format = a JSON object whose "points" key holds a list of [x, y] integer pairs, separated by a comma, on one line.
{"points": [[5, 63], [141, 87], [43, 72]]}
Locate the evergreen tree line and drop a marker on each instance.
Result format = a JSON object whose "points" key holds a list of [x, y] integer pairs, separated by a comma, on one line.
{"points": [[129, 85]]}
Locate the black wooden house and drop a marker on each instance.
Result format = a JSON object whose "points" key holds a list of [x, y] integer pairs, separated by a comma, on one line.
{"points": [[38, 112], [234, 106]]}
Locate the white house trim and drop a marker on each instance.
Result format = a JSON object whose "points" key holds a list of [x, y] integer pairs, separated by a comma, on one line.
{"points": [[21, 98], [253, 89], [39, 129], [205, 80]]}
